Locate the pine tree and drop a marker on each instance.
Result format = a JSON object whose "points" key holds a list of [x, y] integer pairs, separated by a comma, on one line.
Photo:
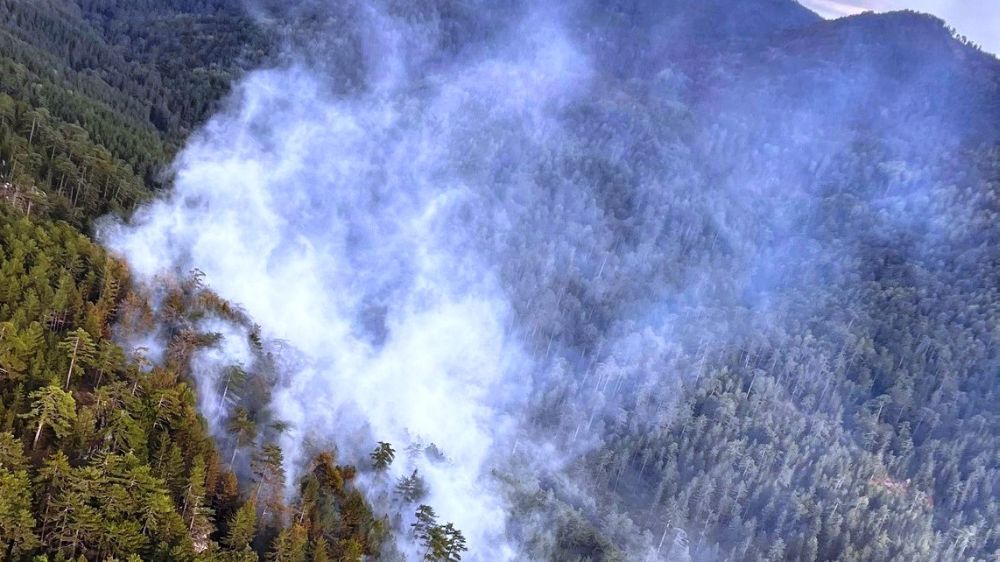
{"points": [[320, 551], [452, 543], [351, 550], [54, 408], [425, 523], [242, 526], [12, 353], [232, 381], [11, 453], [442, 543], [81, 351], [244, 430], [412, 488], [194, 511], [269, 475], [290, 545], [17, 523], [110, 358], [383, 456], [53, 477]]}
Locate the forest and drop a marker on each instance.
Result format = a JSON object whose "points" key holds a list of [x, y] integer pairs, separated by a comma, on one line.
{"points": [[740, 262], [92, 107], [103, 454]]}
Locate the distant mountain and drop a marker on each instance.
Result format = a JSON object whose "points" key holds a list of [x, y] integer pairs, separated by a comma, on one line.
{"points": [[903, 62], [639, 35], [892, 67]]}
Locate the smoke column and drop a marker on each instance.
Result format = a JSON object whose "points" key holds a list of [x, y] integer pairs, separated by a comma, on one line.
{"points": [[507, 230], [348, 225]]}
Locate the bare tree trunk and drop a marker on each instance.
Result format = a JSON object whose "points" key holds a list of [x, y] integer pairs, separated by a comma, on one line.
{"points": [[45, 516], [72, 362], [225, 391], [38, 433], [750, 388]]}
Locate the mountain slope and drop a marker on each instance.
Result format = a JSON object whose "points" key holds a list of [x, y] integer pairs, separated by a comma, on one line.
{"points": [[95, 109], [686, 281]]}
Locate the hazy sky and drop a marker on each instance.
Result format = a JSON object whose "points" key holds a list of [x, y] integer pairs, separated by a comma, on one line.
{"points": [[979, 20]]}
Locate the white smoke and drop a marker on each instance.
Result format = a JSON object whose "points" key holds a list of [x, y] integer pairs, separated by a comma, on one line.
{"points": [[337, 222], [510, 232]]}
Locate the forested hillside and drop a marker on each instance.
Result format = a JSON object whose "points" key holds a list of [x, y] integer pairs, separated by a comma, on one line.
{"points": [[92, 107], [851, 413], [671, 281], [103, 454]]}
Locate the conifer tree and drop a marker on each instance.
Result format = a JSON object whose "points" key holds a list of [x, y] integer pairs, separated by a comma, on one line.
{"points": [[320, 551], [269, 476], [54, 408], [12, 353], [290, 545], [80, 348], [411, 488], [17, 522], [195, 512], [242, 526], [383, 456], [243, 429]]}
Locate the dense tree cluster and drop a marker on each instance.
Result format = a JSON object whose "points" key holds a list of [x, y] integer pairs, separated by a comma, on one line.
{"points": [[51, 168], [825, 388], [105, 457], [96, 95], [192, 50], [758, 281], [51, 60]]}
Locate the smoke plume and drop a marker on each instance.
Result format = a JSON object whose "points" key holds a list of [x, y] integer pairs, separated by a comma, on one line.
{"points": [[502, 228]]}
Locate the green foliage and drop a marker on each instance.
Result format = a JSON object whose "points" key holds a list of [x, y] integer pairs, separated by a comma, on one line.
{"points": [[290, 546], [243, 527], [97, 95], [269, 479], [383, 456], [53, 408], [53, 168], [17, 522], [243, 429], [121, 465], [320, 551], [442, 543], [80, 351], [411, 488]]}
